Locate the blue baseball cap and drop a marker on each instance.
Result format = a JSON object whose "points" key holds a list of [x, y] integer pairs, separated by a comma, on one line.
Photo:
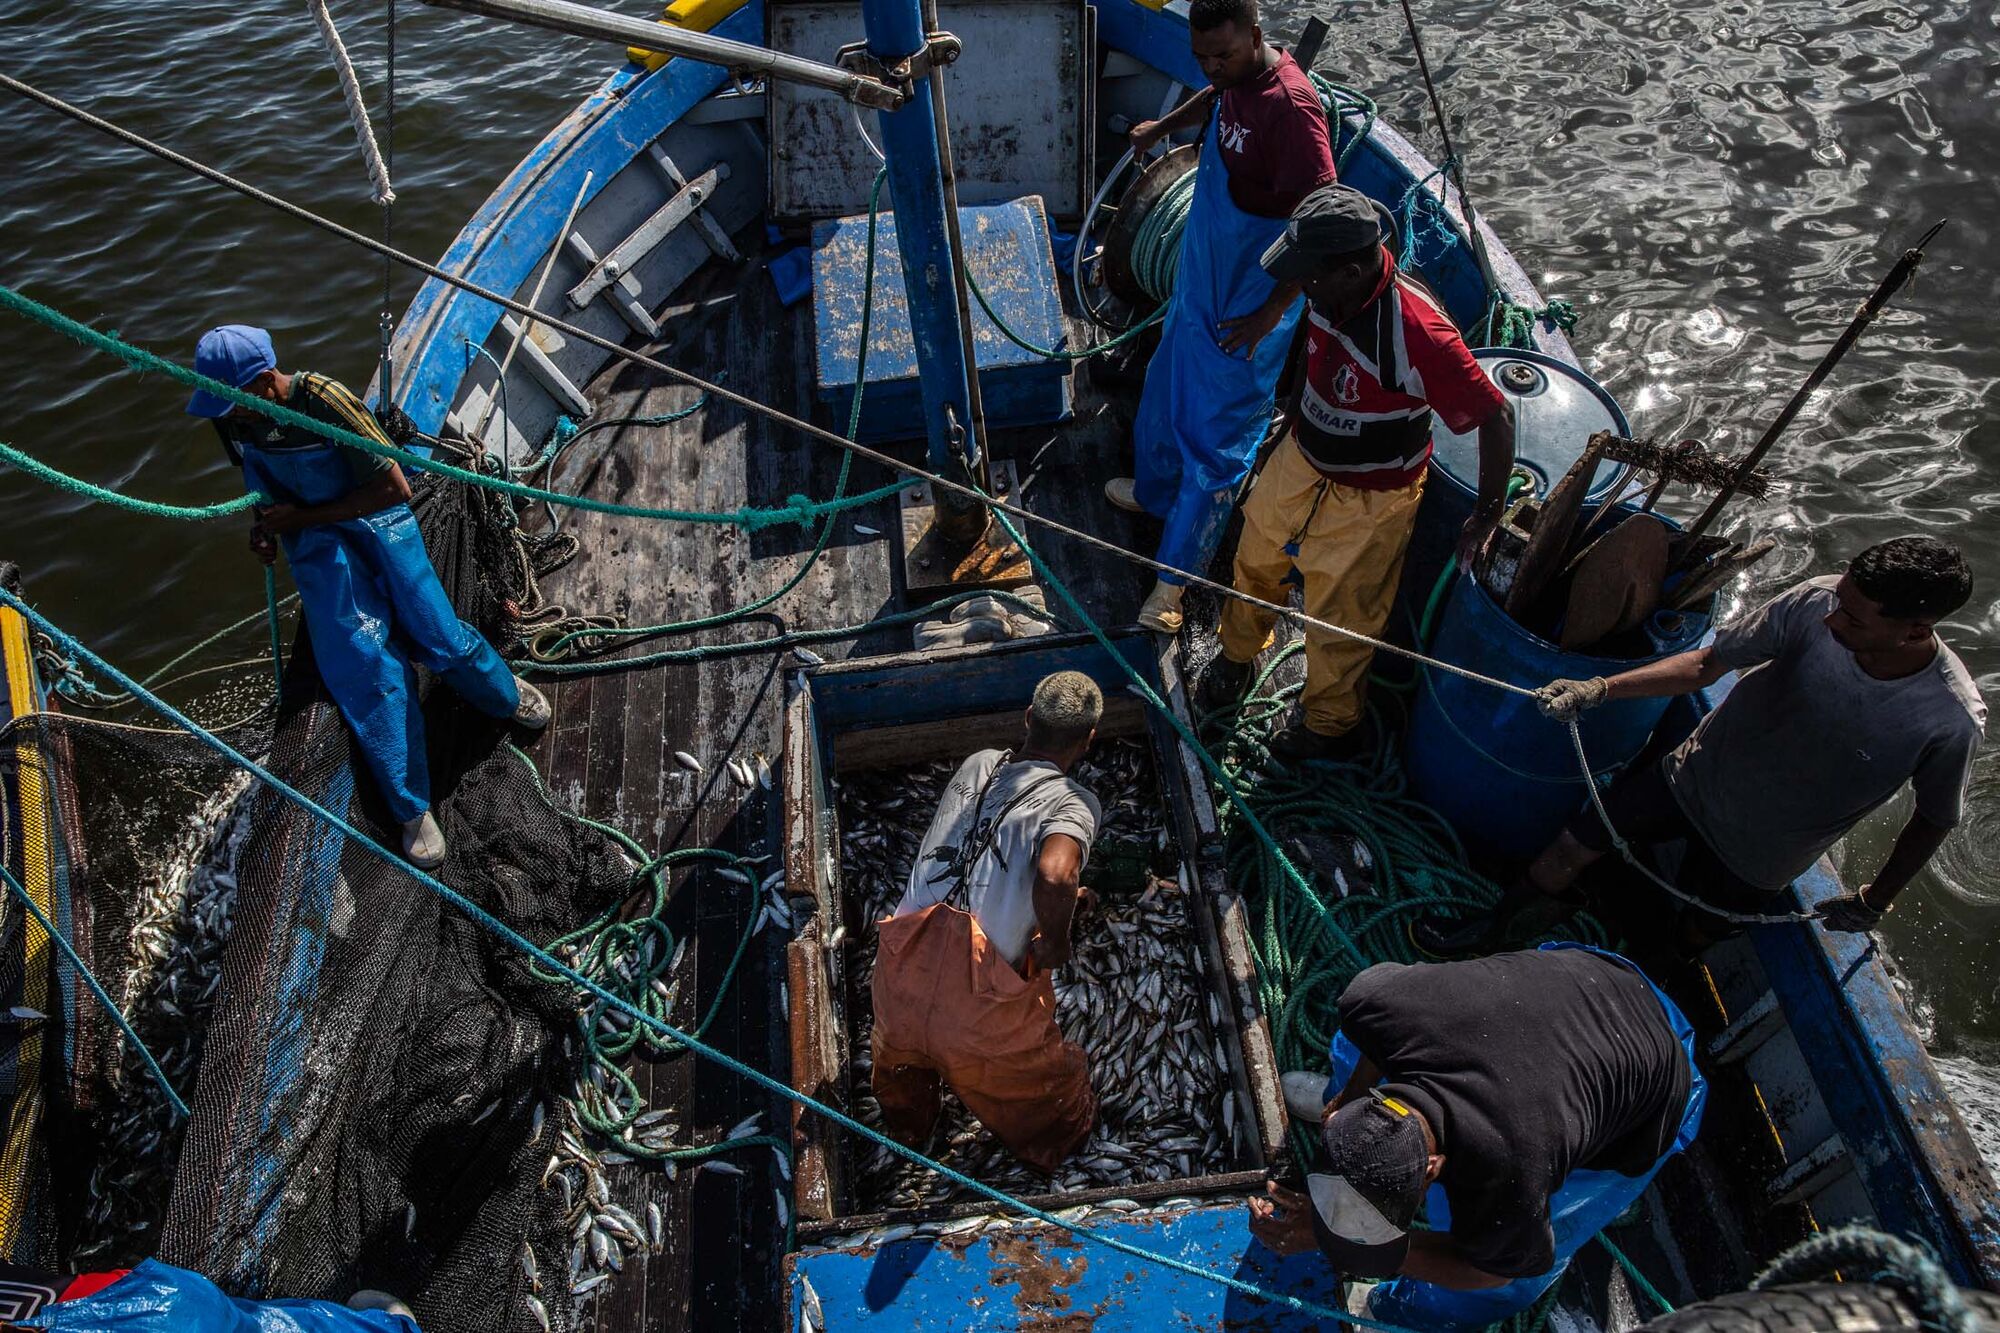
{"points": [[234, 354]]}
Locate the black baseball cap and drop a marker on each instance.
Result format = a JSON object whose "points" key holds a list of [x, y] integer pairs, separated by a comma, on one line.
{"points": [[1332, 220], [1363, 1206]]}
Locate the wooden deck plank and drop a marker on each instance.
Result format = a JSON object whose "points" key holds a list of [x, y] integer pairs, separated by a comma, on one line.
{"points": [[610, 750]]}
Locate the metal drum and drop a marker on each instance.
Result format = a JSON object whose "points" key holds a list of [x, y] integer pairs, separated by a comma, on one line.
{"points": [[1557, 408], [1505, 776]]}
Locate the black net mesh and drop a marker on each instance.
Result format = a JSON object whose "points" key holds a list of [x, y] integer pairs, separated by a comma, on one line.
{"points": [[373, 1065], [134, 809]]}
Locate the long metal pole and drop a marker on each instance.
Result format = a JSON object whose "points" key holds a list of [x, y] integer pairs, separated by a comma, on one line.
{"points": [[1863, 317], [743, 57], [948, 173], [911, 150]]}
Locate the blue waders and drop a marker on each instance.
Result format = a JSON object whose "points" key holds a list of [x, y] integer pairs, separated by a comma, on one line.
{"points": [[374, 605], [1586, 1203], [1204, 411]]}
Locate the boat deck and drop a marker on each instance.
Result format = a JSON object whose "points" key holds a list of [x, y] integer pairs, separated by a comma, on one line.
{"points": [[609, 752]]}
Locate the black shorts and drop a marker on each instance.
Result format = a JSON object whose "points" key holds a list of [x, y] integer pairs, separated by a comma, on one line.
{"points": [[1645, 813]]}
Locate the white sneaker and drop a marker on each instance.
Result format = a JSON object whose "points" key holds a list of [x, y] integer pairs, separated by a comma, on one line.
{"points": [[1162, 610], [1123, 492], [423, 842], [1305, 1096], [533, 712], [369, 1299]]}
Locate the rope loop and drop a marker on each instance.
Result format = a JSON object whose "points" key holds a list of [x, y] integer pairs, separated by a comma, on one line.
{"points": [[1905, 1268]]}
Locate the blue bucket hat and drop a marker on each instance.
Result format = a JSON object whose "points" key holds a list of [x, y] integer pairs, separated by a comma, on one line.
{"points": [[234, 354]]}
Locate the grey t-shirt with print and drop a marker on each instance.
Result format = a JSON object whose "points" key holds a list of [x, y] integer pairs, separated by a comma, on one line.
{"points": [[1000, 887], [1808, 743]]}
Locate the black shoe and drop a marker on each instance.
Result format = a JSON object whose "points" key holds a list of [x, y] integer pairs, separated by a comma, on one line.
{"points": [[1444, 937], [1222, 685], [1300, 744]]}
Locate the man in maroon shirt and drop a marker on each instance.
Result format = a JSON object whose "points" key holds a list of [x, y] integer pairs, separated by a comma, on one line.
{"points": [[1338, 497], [1266, 145]]}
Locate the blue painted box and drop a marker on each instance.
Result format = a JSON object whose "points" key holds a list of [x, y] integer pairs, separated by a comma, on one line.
{"points": [[1038, 1277], [1007, 252]]}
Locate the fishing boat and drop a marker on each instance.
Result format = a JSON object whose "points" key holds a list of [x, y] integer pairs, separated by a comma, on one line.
{"points": [[389, 1096]]}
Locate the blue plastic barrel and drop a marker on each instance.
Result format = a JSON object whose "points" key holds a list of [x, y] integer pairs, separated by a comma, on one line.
{"points": [[1505, 776], [1557, 408]]}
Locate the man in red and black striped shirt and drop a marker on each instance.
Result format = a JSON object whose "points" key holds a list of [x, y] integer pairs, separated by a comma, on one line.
{"points": [[1338, 497]]}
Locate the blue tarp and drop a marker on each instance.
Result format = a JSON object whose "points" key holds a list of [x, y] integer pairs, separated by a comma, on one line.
{"points": [[157, 1298]]}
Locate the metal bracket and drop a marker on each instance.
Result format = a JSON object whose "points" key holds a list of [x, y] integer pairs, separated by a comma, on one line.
{"points": [[939, 49], [628, 252], [625, 293], [711, 231]]}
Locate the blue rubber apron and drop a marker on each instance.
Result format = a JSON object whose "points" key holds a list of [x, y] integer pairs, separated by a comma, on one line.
{"points": [[1204, 411], [374, 605], [1585, 1203]]}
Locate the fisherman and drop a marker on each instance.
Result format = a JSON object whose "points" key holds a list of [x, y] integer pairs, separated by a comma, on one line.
{"points": [[962, 983], [1540, 1091], [1847, 693], [1338, 495], [372, 602], [1228, 328]]}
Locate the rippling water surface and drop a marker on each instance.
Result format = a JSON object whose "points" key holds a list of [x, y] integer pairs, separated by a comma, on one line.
{"points": [[1715, 185]]}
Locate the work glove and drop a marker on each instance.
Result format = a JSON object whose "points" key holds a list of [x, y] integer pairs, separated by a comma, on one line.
{"points": [[1564, 699], [1850, 911]]}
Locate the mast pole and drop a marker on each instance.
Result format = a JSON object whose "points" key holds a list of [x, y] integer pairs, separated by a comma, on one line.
{"points": [[913, 147]]}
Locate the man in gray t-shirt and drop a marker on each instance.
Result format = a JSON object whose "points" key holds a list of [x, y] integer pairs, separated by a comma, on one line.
{"points": [[1846, 694]]}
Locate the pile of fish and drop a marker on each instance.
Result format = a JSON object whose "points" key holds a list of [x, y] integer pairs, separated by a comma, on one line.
{"points": [[1134, 996], [182, 916]]}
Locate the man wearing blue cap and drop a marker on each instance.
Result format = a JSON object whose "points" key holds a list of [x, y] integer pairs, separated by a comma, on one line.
{"points": [[372, 601]]}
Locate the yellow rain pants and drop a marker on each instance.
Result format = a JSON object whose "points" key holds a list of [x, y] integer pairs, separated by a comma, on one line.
{"points": [[1349, 547]]}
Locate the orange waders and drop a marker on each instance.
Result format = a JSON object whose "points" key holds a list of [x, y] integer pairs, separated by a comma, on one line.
{"points": [[948, 1006]]}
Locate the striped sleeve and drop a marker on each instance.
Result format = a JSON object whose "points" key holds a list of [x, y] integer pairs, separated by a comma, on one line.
{"points": [[333, 403]]}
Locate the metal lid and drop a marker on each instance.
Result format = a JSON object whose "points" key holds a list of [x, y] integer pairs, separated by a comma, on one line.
{"points": [[1557, 408]]}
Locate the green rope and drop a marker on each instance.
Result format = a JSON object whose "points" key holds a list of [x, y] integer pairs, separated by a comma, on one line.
{"points": [[1632, 1271], [776, 643], [1156, 249], [1511, 324], [277, 637], [1053, 353], [63, 481], [797, 510], [548, 658]]}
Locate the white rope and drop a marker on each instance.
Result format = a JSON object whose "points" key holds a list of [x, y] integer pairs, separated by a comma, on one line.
{"points": [[1632, 859], [357, 111]]}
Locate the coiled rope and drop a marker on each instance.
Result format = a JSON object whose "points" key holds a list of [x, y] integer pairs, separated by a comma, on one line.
{"points": [[1905, 1268]]}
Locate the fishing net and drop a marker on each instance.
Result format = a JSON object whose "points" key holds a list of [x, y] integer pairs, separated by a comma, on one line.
{"points": [[372, 1075], [127, 811], [373, 1103]]}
